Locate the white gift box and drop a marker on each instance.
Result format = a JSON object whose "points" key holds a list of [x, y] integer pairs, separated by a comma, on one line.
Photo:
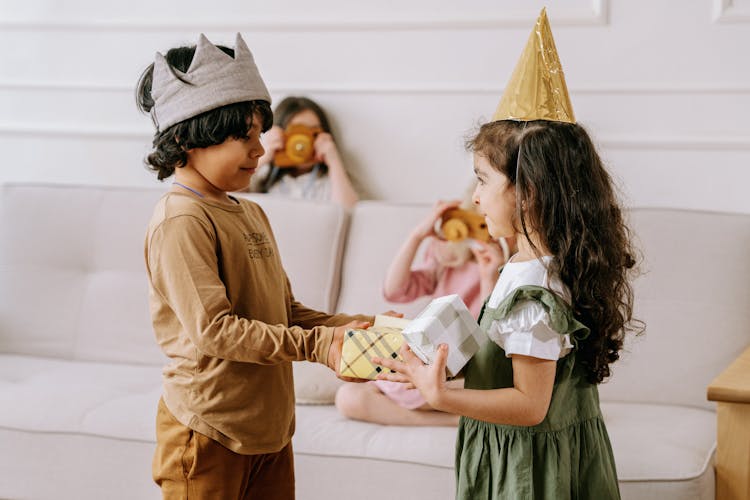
{"points": [[445, 320]]}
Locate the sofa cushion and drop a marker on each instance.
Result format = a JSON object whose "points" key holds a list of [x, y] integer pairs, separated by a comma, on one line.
{"points": [[61, 466], [314, 384], [53, 395], [321, 430], [71, 269], [376, 231], [693, 297], [654, 442]]}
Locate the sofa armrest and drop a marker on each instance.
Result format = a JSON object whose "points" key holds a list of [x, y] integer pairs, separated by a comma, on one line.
{"points": [[731, 391]]}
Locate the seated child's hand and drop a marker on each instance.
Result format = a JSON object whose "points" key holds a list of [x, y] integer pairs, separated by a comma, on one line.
{"points": [[273, 140], [334, 352], [427, 226], [489, 259], [324, 147]]}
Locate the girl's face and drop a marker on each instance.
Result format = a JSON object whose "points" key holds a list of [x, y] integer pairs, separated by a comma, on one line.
{"points": [[306, 117], [495, 198]]}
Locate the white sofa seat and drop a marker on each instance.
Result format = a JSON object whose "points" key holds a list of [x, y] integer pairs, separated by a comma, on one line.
{"points": [[77, 429], [323, 431], [338, 458], [113, 400], [651, 442], [662, 451]]}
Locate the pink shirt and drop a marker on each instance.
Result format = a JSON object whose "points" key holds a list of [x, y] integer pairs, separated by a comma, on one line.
{"points": [[431, 278]]}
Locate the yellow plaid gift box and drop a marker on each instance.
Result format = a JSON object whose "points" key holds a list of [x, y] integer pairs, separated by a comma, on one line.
{"points": [[360, 346]]}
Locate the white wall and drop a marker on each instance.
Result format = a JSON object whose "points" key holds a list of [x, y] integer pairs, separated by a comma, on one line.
{"points": [[664, 86]]}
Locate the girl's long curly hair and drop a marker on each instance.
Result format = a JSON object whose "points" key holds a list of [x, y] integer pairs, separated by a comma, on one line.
{"points": [[571, 204]]}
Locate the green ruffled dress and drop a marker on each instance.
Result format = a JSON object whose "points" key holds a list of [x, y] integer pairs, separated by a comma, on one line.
{"points": [[567, 456]]}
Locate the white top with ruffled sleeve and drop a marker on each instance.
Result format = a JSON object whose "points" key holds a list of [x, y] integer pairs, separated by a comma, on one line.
{"points": [[526, 329]]}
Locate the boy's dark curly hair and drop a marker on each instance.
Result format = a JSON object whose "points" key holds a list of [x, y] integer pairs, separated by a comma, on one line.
{"points": [[572, 205], [206, 129]]}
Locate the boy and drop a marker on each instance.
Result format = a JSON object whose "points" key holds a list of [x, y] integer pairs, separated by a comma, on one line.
{"points": [[221, 303]]}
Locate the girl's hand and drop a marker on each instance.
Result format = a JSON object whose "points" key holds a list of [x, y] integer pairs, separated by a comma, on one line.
{"points": [[273, 140], [489, 258], [430, 380], [427, 226], [325, 148]]}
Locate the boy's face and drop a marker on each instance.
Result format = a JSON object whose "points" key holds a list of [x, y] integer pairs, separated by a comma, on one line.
{"points": [[495, 198], [228, 166]]}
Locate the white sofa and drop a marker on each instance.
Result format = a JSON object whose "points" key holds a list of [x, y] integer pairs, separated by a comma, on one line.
{"points": [[80, 371]]}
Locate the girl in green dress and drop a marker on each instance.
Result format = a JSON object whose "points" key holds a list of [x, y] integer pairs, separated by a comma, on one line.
{"points": [[531, 426]]}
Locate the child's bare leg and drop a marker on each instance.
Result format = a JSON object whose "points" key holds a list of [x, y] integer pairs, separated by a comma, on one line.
{"points": [[366, 402]]}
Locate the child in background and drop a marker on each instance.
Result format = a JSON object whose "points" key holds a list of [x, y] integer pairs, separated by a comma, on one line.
{"points": [[221, 304], [468, 268], [531, 425], [324, 178]]}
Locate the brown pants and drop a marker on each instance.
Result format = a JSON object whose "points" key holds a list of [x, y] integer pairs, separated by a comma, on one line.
{"points": [[189, 465]]}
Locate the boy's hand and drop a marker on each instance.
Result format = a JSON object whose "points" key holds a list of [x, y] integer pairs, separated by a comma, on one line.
{"points": [[334, 352]]}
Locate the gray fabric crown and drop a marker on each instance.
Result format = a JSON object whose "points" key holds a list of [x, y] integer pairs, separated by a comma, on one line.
{"points": [[214, 79]]}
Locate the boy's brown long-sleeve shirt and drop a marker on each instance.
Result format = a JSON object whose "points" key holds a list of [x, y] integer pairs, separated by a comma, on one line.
{"points": [[223, 311]]}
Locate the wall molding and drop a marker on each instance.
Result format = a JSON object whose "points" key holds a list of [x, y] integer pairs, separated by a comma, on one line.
{"points": [[620, 142], [401, 88], [597, 15], [61, 130], [731, 12], [676, 143]]}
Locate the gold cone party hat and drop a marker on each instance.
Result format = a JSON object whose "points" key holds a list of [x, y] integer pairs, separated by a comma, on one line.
{"points": [[537, 89]]}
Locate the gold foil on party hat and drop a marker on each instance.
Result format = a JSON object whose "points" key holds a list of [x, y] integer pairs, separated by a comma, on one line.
{"points": [[537, 90]]}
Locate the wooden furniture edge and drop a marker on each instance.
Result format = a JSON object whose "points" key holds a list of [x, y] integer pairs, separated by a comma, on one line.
{"points": [[731, 391], [733, 384]]}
